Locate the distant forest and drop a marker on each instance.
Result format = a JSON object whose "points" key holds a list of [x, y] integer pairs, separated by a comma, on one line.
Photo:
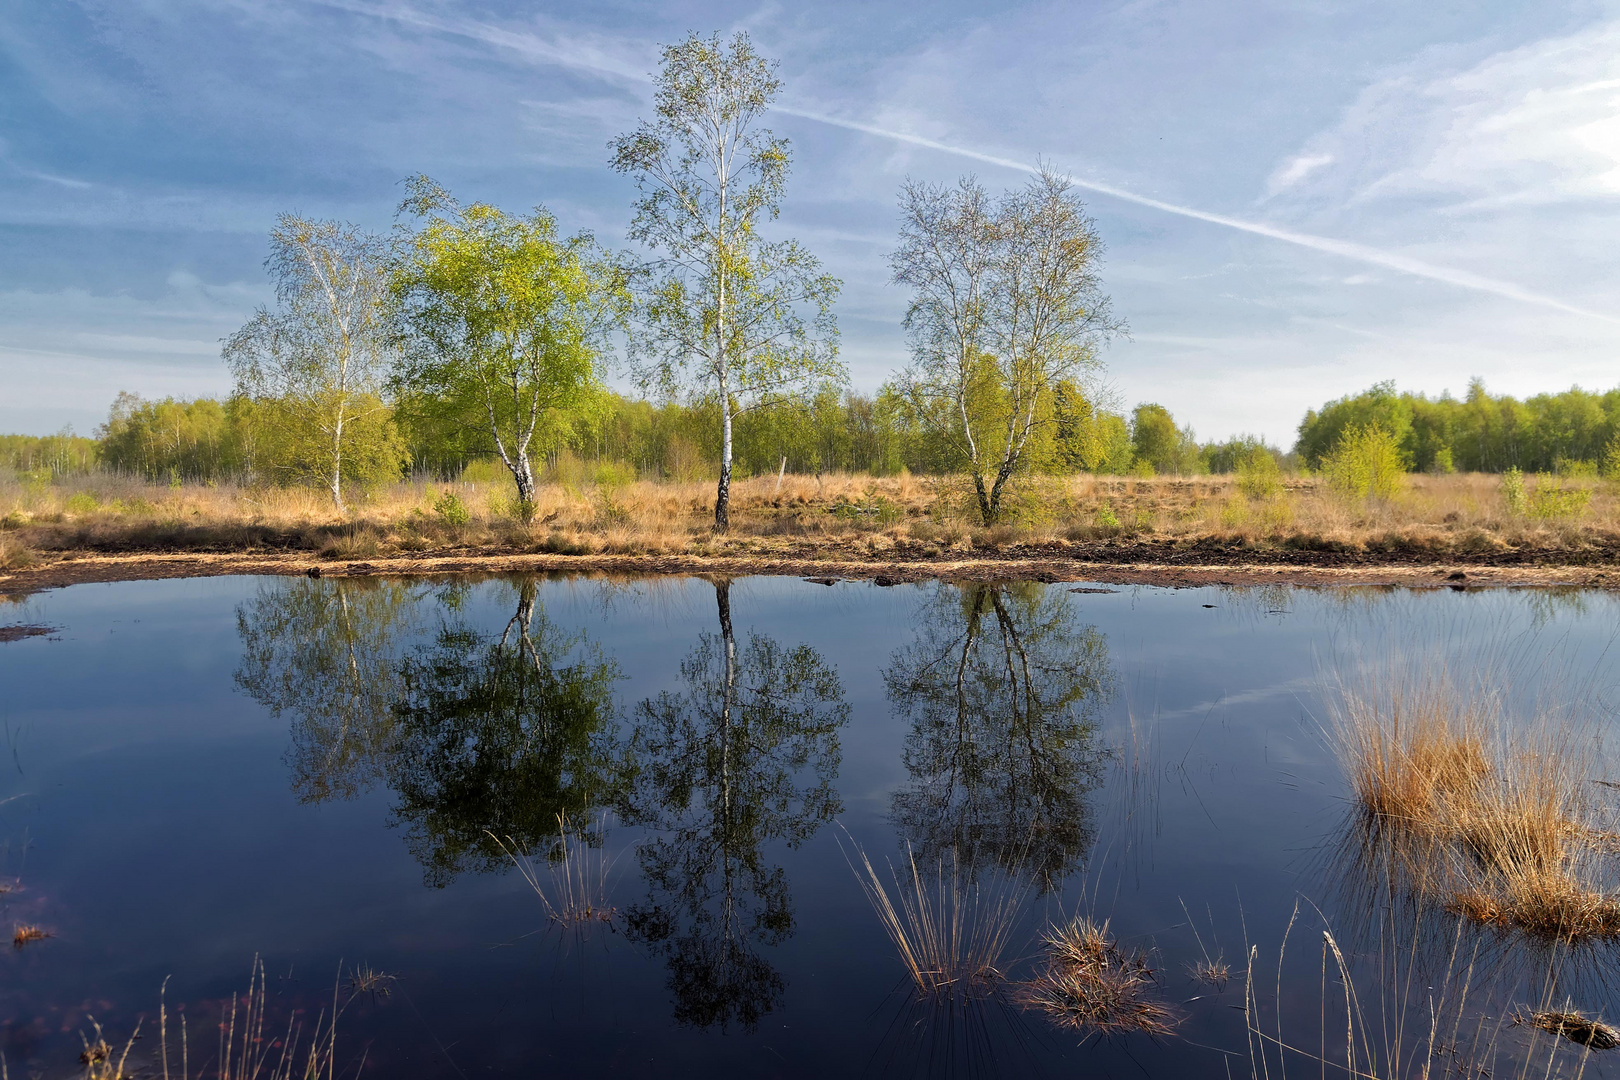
{"points": [[211, 440]]}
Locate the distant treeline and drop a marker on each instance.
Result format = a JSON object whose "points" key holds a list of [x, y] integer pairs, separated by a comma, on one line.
{"points": [[836, 430], [1573, 431]]}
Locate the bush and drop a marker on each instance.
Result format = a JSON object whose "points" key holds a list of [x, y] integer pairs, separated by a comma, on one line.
{"points": [[1513, 492], [614, 474], [82, 502], [451, 510], [1366, 463], [1548, 500], [1259, 475]]}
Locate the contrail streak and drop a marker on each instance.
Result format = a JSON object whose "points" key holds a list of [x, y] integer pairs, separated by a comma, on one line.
{"points": [[592, 60]]}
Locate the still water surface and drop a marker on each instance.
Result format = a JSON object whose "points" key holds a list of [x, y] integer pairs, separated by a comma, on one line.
{"points": [[331, 774]]}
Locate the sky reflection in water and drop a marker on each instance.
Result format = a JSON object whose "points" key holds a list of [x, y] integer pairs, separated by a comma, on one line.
{"points": [[328, 773]]}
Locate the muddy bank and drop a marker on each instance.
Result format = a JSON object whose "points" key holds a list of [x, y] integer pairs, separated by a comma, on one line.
{"points": [[1124, 567]]}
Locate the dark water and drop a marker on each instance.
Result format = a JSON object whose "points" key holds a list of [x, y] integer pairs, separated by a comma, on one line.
{"points": [[316, 772]]}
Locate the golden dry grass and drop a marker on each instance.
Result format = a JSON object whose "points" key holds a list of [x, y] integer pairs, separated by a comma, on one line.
{"points": [[1490, 815], [1090, 983], [1463, 516], [26, 934]]}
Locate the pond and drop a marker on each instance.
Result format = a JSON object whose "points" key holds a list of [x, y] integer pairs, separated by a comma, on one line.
{"points": [[582, 826]]}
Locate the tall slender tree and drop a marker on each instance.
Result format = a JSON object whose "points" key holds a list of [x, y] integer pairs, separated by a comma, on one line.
{"points": [[723, 312], [316, 364]]}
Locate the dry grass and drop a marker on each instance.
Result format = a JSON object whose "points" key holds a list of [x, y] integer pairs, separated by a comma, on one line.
{"points": [[1393, 1022], [1089, 983], [1491, 816], [952, 931], [575, 891], [1463, 516], [27, 934], [1582, 1030], [367, 981]]}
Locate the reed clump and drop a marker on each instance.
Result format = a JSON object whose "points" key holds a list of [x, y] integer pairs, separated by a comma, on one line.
{"points": [[574, 891], [27, 933], [1497, 814], [1090, 983], [952, 931], [1575, 1027]]}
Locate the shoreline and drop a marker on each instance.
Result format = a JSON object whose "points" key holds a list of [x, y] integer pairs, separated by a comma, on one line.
{"points": [[1306, 568]]}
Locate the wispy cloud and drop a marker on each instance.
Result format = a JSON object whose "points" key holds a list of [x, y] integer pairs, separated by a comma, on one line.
{"points": [[610, 62]]}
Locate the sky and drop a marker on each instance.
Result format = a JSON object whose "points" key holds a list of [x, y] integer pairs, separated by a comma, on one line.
{"points": [[1298, 199]]}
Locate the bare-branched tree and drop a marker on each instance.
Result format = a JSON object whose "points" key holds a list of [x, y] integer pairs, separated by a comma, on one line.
{"points": [[1006, 305], [315, 365]]}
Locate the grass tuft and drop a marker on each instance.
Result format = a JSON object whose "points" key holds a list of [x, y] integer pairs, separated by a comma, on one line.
{"points": [[952, 931], [27, 934], [1090, 983]]}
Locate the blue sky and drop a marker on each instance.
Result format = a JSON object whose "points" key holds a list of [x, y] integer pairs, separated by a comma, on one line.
{"points": [[1299, 199]]}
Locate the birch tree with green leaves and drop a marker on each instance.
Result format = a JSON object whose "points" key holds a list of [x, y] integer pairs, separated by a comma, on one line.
{"points": [[1007, 304], [722, 312], [313, 368], [504, 324]]}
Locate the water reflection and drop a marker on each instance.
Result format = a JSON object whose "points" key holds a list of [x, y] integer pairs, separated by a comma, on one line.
{"points": [[1003, 689], [500, 736], [326, 654], [744, 757]]}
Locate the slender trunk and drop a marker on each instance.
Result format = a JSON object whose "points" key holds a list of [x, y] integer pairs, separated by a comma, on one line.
{"points": [[722, 595], [722, 498], [523, 476], [987, 508], [337, 468]]}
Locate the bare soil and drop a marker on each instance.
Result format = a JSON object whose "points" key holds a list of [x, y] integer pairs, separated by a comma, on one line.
{"points": [[1122, 563]]}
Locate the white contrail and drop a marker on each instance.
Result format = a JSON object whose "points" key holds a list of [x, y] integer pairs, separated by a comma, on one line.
{"points": [[593, 60]]}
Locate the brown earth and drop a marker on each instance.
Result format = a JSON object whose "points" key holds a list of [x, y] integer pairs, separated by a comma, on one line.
{"points": [[1133, 563]]}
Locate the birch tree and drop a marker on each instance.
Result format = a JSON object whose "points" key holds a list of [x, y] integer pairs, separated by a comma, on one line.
{"points": [[722, 311], [317, 362], [1007, 304], [505, 323]]}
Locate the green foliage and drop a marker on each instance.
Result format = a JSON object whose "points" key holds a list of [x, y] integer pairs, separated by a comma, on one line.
{"points": [[451, 510], [1259, 475], [289, 449], [871, 508], [1609, 463], [1542, 497], [82, 502], [1513, 492], [195, 440], [504, 326], [1086, 437], [1106, 518], [1366, 463], [1549, 500], [1156, 440], [724, 313], [1480, 433], [62, 454]]}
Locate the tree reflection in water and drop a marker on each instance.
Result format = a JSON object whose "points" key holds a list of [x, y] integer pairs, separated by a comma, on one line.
{"points": [[1003, 689], [500, 735], [746, 756], [326, 653]]}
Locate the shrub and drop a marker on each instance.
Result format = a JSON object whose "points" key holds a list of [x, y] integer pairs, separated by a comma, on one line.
{"points": [[1609, 464], [1366, 463], [1106, 518], [451, 510], [614, 475], [1513, 492], [1548, 500], [82, 502], [1259, 476]]}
